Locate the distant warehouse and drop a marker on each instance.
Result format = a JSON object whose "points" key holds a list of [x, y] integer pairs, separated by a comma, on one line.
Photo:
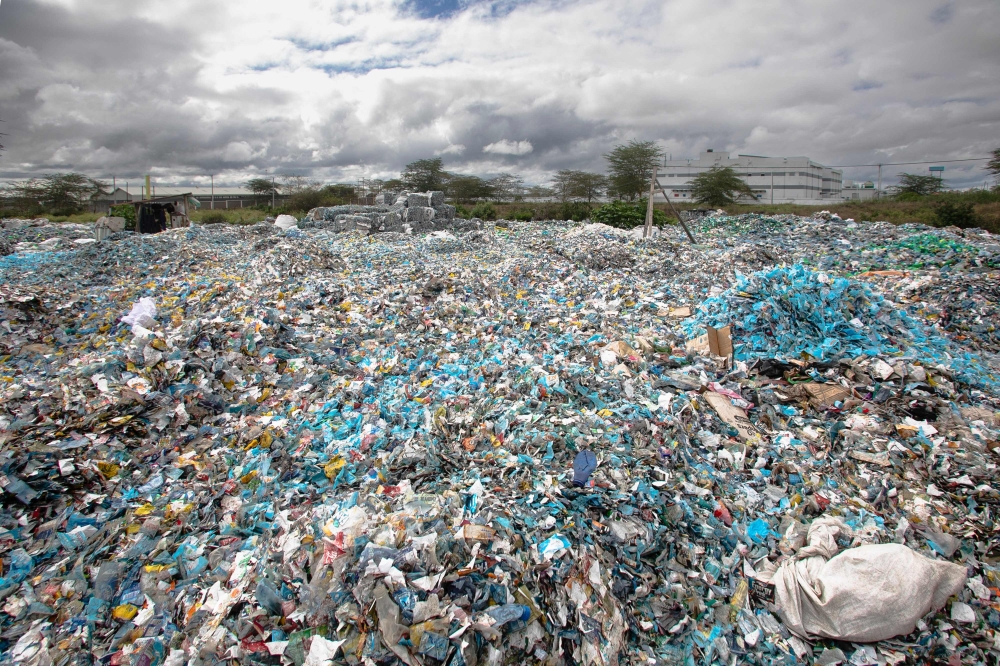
{"points": [[772, 179]]}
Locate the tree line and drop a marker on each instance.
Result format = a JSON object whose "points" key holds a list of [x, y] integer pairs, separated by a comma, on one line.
{"points": [[629, 166]]}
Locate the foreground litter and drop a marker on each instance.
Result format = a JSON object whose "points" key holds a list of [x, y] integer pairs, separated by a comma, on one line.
{"points": [[306, 444]]}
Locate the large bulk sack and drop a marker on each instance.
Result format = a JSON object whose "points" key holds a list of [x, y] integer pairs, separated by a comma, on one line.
{"points": [[864, 594]]}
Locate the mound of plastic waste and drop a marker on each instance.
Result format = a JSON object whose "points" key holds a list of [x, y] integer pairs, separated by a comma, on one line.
{"points": [[791, 312]]}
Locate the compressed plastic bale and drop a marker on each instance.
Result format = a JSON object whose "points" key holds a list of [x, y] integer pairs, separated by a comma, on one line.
{"points": [[359, 222], [419, 215], [418, 200], [444, 211], [864, 594], [435, 198], [390, 222]]}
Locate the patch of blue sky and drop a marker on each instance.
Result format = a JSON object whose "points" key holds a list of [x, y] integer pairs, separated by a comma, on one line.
{"points": [[442, 9], [306, 45], [861, 86]]}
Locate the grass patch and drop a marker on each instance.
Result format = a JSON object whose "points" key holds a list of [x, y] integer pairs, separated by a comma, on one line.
{"points": [[238, 216], [925, 210], [78, 218]]}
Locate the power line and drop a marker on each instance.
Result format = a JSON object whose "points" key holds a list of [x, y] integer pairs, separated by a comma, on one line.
{"points": [[968, 159], [836, 166]]}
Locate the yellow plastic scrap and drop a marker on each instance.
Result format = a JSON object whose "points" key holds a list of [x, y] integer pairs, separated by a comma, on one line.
{"points": [[334, 466], [125, 612], [109, 470], [145, 509]]}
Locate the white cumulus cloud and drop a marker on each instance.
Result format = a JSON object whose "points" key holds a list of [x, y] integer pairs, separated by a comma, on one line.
{"points": [[506, 147]]}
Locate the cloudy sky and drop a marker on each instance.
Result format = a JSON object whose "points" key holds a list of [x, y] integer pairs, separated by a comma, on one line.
{"points": [[343, 89]]}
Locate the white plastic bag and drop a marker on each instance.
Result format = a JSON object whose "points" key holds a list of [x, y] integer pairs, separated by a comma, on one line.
{"points": [[863, 595], [286, 222], [143, 315]]}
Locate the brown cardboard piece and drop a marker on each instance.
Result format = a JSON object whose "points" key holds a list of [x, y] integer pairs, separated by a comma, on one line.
{"points": [[825, 395], [622, 349], [720, 341], [732, 415], [682, 312], [699, 345]]}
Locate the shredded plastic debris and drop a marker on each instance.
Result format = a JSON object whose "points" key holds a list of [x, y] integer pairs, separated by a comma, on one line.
{"points": [[485, 445]]}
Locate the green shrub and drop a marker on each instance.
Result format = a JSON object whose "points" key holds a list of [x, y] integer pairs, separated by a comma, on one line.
{"points": [[484, 210], [462, 212], [124, 210], [578, 211], [522, 216], [624, 215], [959, 215], [214, 217], [909, 196]]}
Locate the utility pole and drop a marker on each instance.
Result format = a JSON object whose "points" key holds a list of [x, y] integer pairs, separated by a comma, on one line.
{"points": [[772, 186], [878, 192], [213, 191], [648, 229], [272, 192]]}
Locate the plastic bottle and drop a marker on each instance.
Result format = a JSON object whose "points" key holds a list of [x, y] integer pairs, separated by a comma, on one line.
{"points": [[106, 583], [508, 613]]}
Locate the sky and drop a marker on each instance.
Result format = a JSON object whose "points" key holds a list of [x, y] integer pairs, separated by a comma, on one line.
{"points": [[337, 90]]}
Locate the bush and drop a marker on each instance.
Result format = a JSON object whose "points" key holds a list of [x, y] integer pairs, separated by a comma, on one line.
{"points": [[624, 215], [484, 210], [522, 216], [578, 211], [959, 215], [462, 212], [124, 210], [214, 217], [909, 196]]}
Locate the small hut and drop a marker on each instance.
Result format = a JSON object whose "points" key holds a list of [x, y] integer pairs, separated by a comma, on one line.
{"points": [[161, 213]]}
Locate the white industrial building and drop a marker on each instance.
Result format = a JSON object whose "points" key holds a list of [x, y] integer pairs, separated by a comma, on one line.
{"points": [[859, 191], [772, 179]]}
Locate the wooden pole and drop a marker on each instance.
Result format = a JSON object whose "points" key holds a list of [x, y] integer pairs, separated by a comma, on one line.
{"points": [[676, 214], [648, 229]]}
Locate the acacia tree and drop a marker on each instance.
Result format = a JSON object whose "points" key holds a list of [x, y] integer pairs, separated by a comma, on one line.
{"points": [[993, 166], [506, 186], [465, 189], [261, 188], [425, 175], [570, 185], [58, 193], [920, 185], [719, 186], [631, 168], [296, 184]]}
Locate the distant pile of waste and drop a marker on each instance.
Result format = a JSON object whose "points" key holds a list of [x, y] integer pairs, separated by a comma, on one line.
{"points": [[392, 212]]}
